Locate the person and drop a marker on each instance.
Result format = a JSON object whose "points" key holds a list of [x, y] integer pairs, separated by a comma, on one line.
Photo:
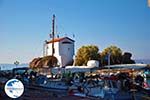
{"points": [[146, 85], [119, 85], [139, 79]]}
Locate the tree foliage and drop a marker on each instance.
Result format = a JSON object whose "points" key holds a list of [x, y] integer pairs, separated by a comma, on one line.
{"points": [[86, 53], [115, 55]]}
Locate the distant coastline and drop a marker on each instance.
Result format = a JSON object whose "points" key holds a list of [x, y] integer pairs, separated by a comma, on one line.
{"points": [[144, 61], [11, 66]]}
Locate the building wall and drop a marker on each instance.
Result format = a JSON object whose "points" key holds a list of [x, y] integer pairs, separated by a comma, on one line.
{"points": [[56, 48], [64, 51]]}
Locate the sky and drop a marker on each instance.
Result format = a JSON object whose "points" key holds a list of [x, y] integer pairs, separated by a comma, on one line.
{"points": [[26, 24]]}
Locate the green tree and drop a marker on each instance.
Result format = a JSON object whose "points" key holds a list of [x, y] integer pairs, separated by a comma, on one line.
{"points": [[115, 55], [86, 53]]}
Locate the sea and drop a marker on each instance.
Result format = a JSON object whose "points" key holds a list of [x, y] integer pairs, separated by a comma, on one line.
{"points": [[11, 66], [143, 61]]}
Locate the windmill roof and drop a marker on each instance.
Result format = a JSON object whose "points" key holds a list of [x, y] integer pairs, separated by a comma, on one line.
{"points": [[59, 39]]}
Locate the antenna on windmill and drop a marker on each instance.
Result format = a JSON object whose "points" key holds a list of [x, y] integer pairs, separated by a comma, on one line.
{"points": [[73, 35], [57, 36], [57, 31], [65, 34], [45, 47]]}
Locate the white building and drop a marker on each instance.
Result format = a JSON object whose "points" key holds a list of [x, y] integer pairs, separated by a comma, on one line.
{"points": [[63, 50]]}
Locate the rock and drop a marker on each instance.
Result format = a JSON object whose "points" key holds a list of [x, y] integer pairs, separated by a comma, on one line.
{"points": [[42, 62], [126, 58]]}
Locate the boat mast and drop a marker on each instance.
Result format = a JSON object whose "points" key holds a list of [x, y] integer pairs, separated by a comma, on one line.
{"points": [[53, 35]]}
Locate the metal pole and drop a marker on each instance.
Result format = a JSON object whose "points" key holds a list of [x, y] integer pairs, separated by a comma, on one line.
{"points": [[109, 54], [44, 49]]}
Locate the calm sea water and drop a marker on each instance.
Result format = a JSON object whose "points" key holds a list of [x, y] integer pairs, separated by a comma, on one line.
{"points": [[144, 61], [11, 66]]}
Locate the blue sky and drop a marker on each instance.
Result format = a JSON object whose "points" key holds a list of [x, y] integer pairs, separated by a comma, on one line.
{"points": [[25, 24]]}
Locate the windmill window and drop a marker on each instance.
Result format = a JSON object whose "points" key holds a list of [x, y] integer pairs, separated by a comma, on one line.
{"points": [[68, 49], [66, 42]]}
